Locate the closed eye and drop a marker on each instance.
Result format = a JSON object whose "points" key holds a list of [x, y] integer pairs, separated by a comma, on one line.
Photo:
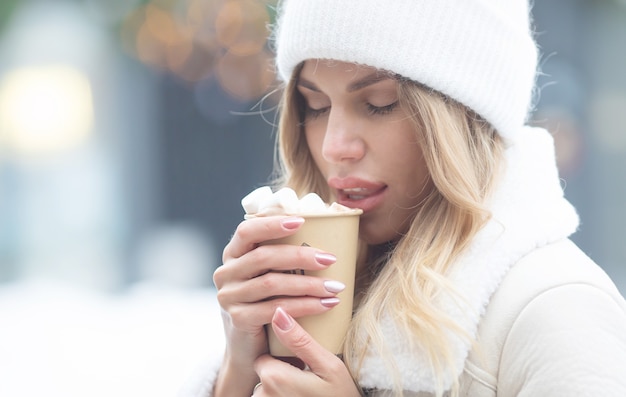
{"points": [[315, 113], [381, 110]]}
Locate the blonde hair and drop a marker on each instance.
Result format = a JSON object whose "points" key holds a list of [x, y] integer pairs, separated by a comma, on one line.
{"points": [[463, 154]]}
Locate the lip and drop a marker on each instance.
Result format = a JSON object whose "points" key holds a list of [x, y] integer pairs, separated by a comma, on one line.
{"points": [[358, 193]]}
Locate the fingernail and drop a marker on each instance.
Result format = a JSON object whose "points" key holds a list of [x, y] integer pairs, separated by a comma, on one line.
{"points": [[325, 259], [334, 286], [329, 302], [283, 320], [292, 223]]}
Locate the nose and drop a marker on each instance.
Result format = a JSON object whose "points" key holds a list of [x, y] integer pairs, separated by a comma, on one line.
{"points": [[343, 141]]}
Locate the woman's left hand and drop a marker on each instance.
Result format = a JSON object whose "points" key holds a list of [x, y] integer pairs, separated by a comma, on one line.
{"points": [[325, 376]]}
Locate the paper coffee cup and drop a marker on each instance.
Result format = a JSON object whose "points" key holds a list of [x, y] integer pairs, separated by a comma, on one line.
{"points": [[335, 233]]}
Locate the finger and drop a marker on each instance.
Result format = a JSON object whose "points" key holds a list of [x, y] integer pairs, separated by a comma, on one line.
{"points": [[275, 284], [285, 258], [254, 315], [282, 378], [272, 257], [302, 344], [254, 231]]}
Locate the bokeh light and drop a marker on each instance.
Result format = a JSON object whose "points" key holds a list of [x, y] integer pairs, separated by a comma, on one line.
{"points": [[241, 26], [196, 40], [245, 77], [44, 109]]}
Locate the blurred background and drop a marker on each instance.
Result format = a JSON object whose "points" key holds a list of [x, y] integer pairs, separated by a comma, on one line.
{"points": [[130, 130]]}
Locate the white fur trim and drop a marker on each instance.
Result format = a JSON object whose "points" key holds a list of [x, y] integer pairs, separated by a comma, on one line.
{"points": [[529, 211]]}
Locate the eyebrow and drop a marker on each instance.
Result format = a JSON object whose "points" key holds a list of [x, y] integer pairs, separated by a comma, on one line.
{"points": [[359, 84]]}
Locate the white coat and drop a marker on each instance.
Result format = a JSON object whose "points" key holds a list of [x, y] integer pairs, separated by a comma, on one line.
{"points": [[547, 319], [556, 326]]}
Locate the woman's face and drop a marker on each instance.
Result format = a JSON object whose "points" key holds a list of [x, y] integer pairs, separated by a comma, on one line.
{"points": [[364, 144]]}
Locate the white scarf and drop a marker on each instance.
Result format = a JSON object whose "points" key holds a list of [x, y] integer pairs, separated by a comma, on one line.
{"points": [[529, 211]]}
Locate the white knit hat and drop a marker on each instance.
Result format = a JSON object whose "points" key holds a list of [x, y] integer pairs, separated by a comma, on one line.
{"points": [[478, 52]]}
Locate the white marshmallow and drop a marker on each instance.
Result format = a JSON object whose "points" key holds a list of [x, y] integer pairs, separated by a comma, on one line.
{"points": [[312, 203], [284, 201], [251, 202], [262, 202]]}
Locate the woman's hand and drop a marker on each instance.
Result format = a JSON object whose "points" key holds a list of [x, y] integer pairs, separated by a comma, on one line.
{"points": [[327, 375], [251, 284]]}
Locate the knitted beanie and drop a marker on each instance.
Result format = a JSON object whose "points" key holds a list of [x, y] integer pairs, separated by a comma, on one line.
{"points": [[478, 52]]}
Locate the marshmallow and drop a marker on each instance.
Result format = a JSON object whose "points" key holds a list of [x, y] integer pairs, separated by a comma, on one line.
{"points": [[251, 201], [262, 202]]}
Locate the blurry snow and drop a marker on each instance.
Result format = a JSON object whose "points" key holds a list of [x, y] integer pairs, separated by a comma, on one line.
{"points": [[62, 341]]}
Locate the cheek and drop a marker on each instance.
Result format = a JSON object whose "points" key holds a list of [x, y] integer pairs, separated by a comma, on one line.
{"points": [[412, 175], [315, 140], [418, 180]]}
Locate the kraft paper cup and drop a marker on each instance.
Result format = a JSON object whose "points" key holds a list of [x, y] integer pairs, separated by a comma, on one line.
{"points": [[335, 233]]}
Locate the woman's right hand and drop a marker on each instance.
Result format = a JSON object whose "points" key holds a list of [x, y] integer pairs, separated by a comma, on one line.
{"points": [[252, 283]]}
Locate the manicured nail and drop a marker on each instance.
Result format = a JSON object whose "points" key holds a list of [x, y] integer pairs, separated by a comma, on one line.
{"points": [[329, 302], [325, 259], [283, 320], [292, 223], [334, 286]]}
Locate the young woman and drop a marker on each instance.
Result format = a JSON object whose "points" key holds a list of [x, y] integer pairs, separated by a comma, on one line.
{"points": [[468, 286]]}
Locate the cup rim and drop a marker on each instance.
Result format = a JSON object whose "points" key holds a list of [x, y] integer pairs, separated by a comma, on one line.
{"points": [[351, 212]]}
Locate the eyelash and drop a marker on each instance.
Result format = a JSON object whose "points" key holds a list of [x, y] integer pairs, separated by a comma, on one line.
{"points": [[381, 110], [371, 109], [315, 113]]}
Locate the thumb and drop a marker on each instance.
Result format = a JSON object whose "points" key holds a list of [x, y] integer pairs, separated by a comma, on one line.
{"points": [[300, 342]]}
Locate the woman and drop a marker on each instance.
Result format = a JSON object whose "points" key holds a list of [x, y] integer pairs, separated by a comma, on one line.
{"points": [[469, 286]]}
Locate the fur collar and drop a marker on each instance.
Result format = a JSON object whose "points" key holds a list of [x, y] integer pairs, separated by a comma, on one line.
{"points": [[529, 211]]}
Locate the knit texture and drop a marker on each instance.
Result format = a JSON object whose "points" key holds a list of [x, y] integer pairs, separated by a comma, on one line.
{"points": [[478, 52]]}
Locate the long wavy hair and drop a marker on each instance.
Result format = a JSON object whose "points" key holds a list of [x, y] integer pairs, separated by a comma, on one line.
{"points": [[463, 154]]}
